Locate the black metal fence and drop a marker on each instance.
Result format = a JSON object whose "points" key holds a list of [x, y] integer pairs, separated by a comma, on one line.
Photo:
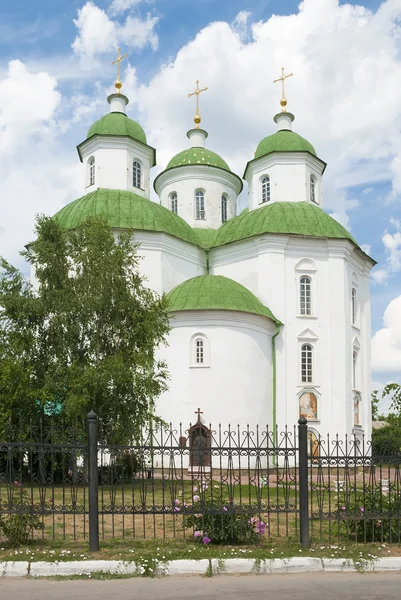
{"points": [[225, 485]]}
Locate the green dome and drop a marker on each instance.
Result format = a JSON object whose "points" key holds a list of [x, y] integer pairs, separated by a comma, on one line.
{"points": [[116, 123], [125, 210], [283, 141], [198, 156], [297, 218], [215, 292]]}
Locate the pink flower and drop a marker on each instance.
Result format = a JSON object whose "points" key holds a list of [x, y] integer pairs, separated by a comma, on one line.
{"points": [[50, 500], [177, 509], [17, 484], [205, 540], [195, 490], [197, 534], [260, 528], [225, 508], [196, 498], [343, 508], [177, 501], [362, 509]]}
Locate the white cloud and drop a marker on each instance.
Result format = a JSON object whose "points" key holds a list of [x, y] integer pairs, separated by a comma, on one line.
{"points": [[392, 247], [119, 6], [241, 25], [386, 343], [98, 34], [34, 171], [379, 275], [366, 248]]}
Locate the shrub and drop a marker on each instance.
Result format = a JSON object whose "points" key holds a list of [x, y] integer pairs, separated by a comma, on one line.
{"points": [[214, 520], [371, 516], [17, 526]]}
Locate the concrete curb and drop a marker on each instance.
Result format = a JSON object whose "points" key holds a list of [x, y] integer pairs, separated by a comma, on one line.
{"points": [[210, 567]]}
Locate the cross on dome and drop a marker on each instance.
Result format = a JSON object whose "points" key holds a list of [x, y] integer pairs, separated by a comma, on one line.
{"points": [[199, 413], [283, 77], [118, 84], [196, 93]]}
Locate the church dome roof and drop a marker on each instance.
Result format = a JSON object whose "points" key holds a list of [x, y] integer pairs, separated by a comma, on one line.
{"points": [[296, 218], [125, 210], [198, 156], [117, 123], [283, 140], [215, 292]]}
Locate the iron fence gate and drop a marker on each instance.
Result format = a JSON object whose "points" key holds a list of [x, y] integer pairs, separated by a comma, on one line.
{"points": [[176, 483]]}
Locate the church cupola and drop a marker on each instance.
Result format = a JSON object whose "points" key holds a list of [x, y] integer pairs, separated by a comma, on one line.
{"points": [[197, 183], [115, 154], [285, 167]]}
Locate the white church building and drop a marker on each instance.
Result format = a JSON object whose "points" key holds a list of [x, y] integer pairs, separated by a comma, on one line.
{"points": [[270, 308]]}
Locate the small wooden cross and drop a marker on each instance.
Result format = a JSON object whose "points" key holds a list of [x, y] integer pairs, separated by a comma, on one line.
{"points": [[283, 77], [196, 93], [199, 413], [118, 60]]}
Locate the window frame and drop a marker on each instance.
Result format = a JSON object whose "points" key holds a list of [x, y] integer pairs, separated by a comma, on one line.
{"points": [[173, 201], [307, 368], [303, 311], [224, 208], [195, 339], [135, 170], [354, 306], [265, 182], [91, 171], [313, 189], [200, 214]]}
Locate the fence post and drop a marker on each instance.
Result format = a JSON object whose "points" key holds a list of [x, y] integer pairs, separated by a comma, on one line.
{"points": [[303, 482], [93, 482]]}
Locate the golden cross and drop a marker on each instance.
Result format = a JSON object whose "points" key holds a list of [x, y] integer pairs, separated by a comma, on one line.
{"points": [[283, 77], [119, 58], [197, 118]]}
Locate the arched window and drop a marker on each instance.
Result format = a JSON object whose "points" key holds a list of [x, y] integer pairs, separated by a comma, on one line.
{"points": [[312, 190], [174, 202], [353, 306], [91, 165], [223, 208], [265, 188], [199, 351], [136, 174], [306, 363], [305, 295], [354, 369], [200, 205]]}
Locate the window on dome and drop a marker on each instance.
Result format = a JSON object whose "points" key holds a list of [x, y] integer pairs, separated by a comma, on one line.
{"points": [[174, 202], [306, 363], [265, 189], [200, 205], [91, 173], [224, 203], [305, 292], [136, 174], [312, 188]]}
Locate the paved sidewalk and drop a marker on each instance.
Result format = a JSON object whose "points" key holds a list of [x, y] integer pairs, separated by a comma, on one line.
{"points": [[300, 586]]}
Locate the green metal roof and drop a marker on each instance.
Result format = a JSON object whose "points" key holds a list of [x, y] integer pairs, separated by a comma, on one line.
{"points": [[215, 292], [198, 156], [116, 123], [298, 218], [205, 237], [125, 210], [283, 141]]}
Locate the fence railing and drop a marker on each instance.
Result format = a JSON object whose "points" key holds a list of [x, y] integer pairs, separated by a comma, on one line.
{"points": [[226, 484]]}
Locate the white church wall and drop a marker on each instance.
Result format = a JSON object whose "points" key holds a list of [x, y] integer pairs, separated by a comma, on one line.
{"points": [[114, 157], [238, 262], [283, 188], [166, 261], [186, 181], [234, 386]]}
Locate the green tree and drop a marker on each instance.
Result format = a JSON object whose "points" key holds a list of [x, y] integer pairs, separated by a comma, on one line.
{"points": [[86, 336]]}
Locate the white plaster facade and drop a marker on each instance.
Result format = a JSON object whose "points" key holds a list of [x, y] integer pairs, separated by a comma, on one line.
{"points": [[246, 357]]}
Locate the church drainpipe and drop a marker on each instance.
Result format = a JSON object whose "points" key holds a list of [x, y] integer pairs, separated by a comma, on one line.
{"points": [[207, 251], [278, 327]]}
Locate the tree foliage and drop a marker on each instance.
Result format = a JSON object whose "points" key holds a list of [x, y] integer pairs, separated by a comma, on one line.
{"points": [[85, 336], [387, 440]]}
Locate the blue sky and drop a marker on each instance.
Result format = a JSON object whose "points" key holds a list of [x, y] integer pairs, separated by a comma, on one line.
{"points": [[345, 95]]}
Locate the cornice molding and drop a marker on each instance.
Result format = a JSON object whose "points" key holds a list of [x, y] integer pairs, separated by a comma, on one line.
{"points": [[203, 172], [222, 318]]}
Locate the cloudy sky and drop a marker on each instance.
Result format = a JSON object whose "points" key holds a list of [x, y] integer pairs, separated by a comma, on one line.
{"points": [[55, 74]]}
